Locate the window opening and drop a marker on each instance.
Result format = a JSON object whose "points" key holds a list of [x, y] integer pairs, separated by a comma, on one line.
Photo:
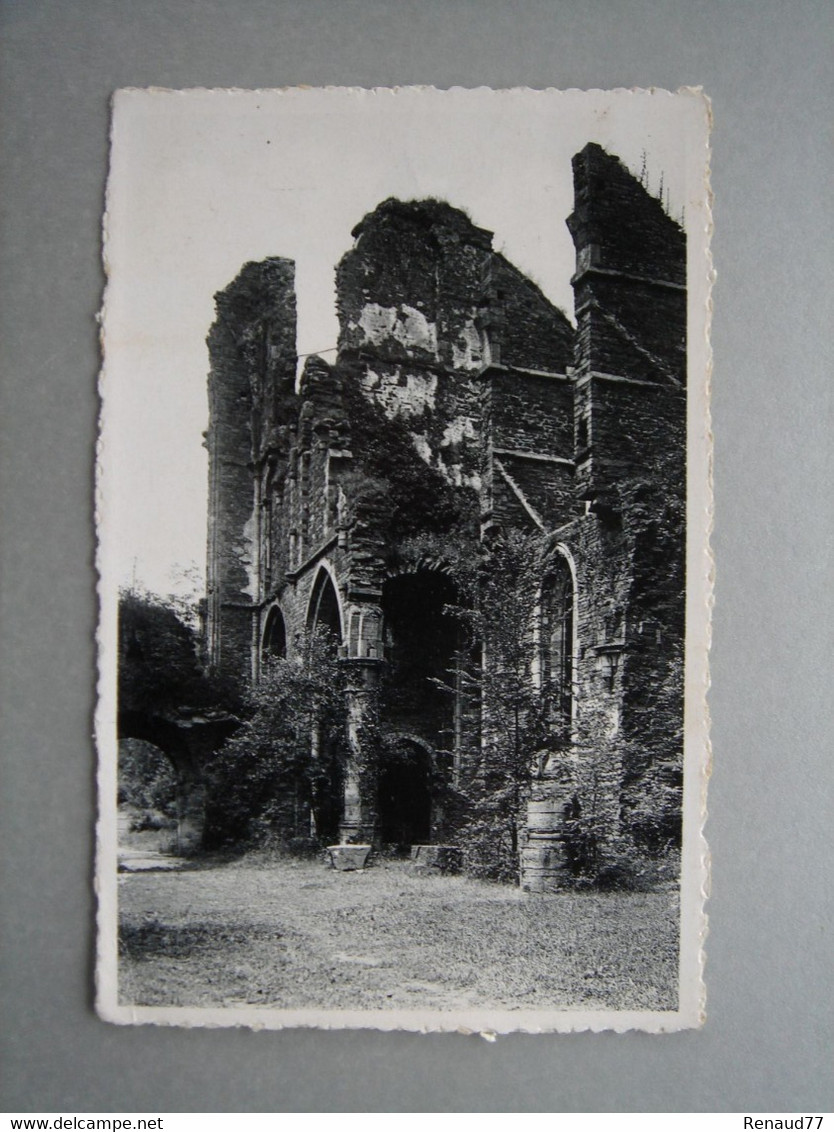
{"points": [[275, 637], [556, 643]]}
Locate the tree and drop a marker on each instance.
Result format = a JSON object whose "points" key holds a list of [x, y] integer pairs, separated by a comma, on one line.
{"points": [[168, 705], [159, 667], [285, 762]]}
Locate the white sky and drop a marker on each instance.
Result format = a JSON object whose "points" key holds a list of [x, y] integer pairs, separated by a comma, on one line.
{"points": [[202, 181]]}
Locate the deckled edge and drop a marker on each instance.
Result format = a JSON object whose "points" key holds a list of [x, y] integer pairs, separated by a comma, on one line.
{"points": [[707, 759], [106, 876], [302, 88]]}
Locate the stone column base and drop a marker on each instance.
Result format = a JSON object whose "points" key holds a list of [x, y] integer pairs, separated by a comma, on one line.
{"points": [[436, 858], [543, 865]]}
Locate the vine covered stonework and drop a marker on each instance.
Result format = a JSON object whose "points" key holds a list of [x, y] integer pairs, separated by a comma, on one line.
{"points": [[448, 565]]}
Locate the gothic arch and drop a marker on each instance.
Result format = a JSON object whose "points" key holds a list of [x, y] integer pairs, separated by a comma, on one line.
{"points": [[274, 638], [325, 607]]}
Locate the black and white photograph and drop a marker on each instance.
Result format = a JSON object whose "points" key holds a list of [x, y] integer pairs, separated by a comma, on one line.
{"points": [[404, 501]]}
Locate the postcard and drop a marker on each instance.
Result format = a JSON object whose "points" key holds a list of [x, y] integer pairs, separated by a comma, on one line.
{"points": [[404, 505]]}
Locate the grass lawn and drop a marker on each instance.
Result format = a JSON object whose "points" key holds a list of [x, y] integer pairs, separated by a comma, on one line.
{"points": [[294, 933]]}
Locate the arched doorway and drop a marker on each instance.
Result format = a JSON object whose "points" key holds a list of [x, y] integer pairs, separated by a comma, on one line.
{"points": [[161, 798], [328, 778], [404, 794]]}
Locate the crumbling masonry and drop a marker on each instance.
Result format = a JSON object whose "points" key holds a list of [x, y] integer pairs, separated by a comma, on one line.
{"points": [[456, 380]]}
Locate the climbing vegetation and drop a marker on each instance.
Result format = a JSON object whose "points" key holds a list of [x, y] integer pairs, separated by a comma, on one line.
{"points": [[285, 761]]}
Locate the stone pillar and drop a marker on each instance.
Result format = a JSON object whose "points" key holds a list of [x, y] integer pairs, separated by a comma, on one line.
{"points": [[590, 776], [251, 347], [543, 861], [359, 815]]}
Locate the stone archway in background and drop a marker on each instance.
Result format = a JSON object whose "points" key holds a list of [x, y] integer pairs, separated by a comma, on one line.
{"points": [[324, 612], [187, 743]]}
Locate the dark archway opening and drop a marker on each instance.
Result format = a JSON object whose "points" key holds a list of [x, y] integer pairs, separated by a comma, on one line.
{"points": [[404, 796], [421, 645], [324, 608]]}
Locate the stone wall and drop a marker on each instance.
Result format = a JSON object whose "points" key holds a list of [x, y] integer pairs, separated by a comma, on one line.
{"points": [[252, 355], [630, 280], [530, 458], [461, 400], [425, 305], [629, 418]]}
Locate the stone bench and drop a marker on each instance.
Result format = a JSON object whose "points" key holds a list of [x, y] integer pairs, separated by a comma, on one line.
{"points": [[348, 858], [436, 858]]}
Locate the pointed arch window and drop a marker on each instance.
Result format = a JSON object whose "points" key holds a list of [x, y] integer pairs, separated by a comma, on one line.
{"points": [[556, 642], [275, 636]]}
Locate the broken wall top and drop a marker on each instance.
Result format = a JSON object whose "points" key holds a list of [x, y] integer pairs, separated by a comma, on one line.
{"points": [[252, 350], [423, 284], [626, 228]]}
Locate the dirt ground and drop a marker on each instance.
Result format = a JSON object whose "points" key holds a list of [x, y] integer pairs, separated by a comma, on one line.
{"points": [[288, 933]]}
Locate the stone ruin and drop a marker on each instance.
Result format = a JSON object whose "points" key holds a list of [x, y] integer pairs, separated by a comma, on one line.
{"points": [[456, 377]]}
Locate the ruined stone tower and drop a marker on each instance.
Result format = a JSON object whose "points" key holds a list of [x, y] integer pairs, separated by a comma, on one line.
{"points": [[461, 403]]}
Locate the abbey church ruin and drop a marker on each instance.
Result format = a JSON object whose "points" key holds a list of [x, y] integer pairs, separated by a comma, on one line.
{"points": [[468, 453]]}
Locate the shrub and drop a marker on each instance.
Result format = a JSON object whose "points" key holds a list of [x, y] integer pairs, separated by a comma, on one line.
{"points": [[652, 808], [266, 780], [488, 848]]}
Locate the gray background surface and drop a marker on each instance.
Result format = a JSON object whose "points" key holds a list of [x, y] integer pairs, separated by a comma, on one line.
{"points": [[768, 1041]]}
